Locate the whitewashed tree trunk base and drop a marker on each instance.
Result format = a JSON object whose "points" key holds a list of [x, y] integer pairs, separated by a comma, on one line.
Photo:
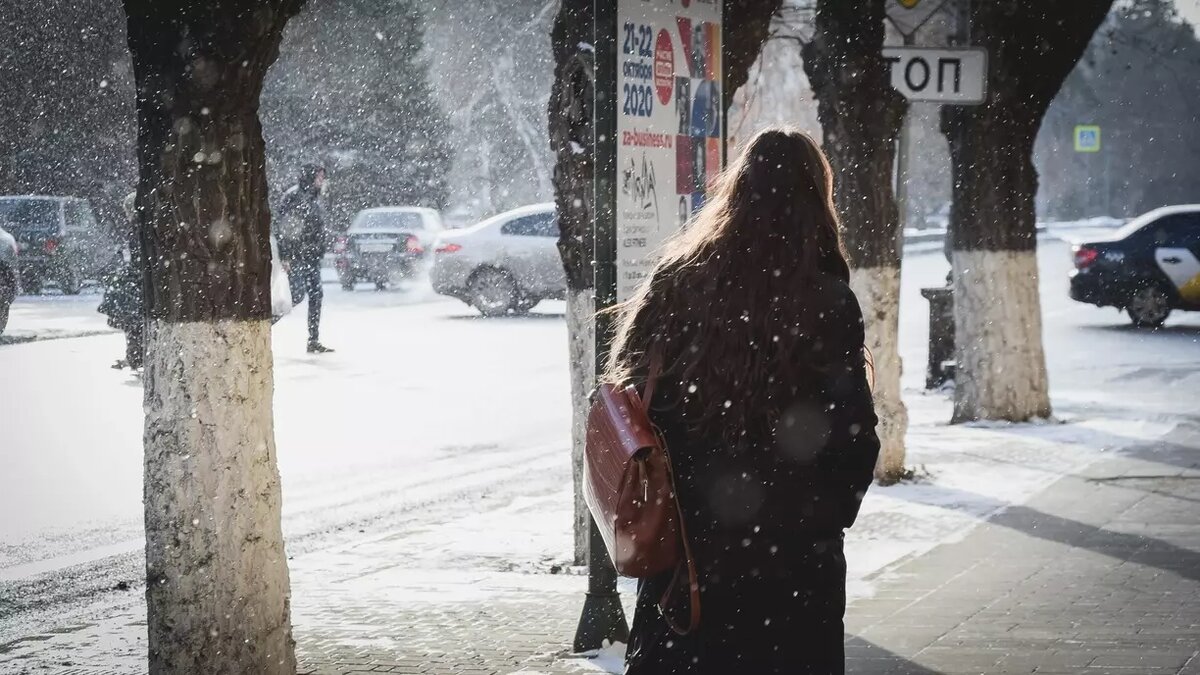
{"points": [[581, 336], [878, 291], [217, 588], [1001, 367]]}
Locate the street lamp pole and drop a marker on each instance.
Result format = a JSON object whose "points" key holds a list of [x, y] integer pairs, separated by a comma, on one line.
{"points": [[603, 617]]}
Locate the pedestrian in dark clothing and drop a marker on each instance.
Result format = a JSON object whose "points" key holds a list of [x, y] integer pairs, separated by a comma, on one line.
{"points": [[123, 296], [767, 414], [302, 242]]}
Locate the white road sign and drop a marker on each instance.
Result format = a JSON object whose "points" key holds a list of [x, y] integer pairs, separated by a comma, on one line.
{"points": [[957, 76], [670, 125]]}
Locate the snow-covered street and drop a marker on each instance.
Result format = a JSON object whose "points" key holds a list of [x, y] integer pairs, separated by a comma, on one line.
{"points": [[423, 404], [435, 442]]}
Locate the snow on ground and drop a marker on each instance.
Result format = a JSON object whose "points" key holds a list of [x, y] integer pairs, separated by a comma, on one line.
{"points": [[421, 398], [434, 441], [53, 316], [610, 659]]}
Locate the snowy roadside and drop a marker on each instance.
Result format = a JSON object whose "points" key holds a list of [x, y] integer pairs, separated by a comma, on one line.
{"points": [[479, 551], [50, 317], [929, 240], [47, 317]]}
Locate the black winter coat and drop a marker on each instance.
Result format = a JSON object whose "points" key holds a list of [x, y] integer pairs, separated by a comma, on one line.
{"points": [[766, 521], [305, 206]]}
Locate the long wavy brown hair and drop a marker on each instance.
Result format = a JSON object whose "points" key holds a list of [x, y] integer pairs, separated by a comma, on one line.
{"points": [[726, 305]]}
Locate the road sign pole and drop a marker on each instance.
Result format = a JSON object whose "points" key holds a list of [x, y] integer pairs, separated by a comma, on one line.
{"points": [[1087, 139], [902, 151], [1107, 183], [603, 618]]}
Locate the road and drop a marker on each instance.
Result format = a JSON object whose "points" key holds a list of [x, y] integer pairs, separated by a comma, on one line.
{"points": [[1095, 358], [425, 413]]}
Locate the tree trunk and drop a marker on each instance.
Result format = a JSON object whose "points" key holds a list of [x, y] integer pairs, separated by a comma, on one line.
{"points": [[747, 27], [860, 117], [1032, 47], [571, 114], [217, 589], [1001, 367]]}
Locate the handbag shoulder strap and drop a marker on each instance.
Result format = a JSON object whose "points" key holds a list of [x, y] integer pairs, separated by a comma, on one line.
{"points": [[652, 376], [869, 363], [688, 563]]}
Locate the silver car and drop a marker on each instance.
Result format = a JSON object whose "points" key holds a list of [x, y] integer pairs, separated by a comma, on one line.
{"points": [[507, 263]]}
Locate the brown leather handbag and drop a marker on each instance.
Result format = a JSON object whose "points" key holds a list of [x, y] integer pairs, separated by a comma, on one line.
{"points": [[630, 490]]}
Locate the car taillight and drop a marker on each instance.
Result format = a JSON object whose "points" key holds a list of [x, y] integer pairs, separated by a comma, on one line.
{"points": [[1085, 256], [413, 246], [449, 248], [339, 244], [51, 245]]}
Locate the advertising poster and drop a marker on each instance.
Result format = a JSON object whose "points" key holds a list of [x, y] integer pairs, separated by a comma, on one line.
{"points": [[670, 124]]}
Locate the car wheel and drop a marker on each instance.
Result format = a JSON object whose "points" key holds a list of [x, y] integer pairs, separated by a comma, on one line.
{"points": [[69, 281], [347, 283], [525, 304], [493, 292], [400, 271], [31, 286], [1149, 306]]}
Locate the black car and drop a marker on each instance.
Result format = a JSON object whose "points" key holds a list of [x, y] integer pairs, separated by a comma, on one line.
{"points": [[59, 240], [1148, 268]]}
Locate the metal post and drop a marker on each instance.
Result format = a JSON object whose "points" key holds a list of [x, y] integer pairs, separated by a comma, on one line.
{"points": [[961, 37], [603, 617], [902, 152], [1107, 178]]}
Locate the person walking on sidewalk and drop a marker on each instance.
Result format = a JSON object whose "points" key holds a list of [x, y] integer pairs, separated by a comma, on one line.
{"points": [[123, 302], [766, 410], [302, 242]]}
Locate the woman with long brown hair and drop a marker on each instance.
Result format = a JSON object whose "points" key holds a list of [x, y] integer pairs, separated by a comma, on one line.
{"points": [[765, 407]]}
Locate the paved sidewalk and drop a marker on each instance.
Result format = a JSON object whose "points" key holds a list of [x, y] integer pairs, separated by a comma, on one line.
{"points": [[500, 624], [1099, 574]]}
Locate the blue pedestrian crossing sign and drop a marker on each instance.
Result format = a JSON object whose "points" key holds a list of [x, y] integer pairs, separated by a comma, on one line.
{"points": [[1087, 138]]}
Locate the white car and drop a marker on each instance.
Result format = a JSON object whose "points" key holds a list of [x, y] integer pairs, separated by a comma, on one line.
{"points": [[507, 263]]}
